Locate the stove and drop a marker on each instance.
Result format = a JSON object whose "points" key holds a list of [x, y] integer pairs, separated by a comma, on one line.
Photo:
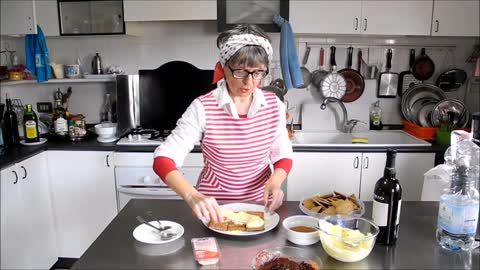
{"points": [[140, 136]]}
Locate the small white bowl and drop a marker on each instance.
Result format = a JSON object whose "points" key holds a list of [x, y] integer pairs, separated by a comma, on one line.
{"points": [[301, 238], [106, 130]]}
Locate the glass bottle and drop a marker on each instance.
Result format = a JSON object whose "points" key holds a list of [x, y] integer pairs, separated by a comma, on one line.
{"points": [[30, 124], [106, 113], [10, 125], [458, 208], [387, 201], [376, 116], [60, 123]]}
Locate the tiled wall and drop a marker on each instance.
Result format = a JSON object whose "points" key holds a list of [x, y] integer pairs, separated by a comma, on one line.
{"points": [[155, 43]]}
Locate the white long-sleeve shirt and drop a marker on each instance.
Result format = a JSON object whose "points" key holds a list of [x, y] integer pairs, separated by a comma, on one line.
{"points": [[191, 126]]}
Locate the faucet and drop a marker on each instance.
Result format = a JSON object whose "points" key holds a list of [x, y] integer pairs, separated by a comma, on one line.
{"points": [[347, 125]]}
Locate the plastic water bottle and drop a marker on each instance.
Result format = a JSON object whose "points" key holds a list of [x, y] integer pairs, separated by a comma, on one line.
{"points": [[458, 208]]}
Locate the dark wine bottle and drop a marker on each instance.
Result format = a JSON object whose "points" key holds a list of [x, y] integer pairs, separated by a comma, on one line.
{"points": [[387, 201], [30, 123], [10, 125]]}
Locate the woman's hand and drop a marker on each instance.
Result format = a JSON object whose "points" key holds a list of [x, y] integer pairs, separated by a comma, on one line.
{"points": [[274, 189], [204, 206]]}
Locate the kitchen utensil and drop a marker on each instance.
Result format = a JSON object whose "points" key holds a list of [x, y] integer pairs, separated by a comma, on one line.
{"points": [[355, 83], [333, 85], [387, 81], [416, 92], [406, 78], [423, 68], [307, 76], [451, 80], [280, 84], [424, 114], [451, 112], [319, 74], [160, 229], [72, 71]]}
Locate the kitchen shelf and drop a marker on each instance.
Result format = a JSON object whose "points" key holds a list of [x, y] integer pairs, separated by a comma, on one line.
{"points": [[9, 83]]}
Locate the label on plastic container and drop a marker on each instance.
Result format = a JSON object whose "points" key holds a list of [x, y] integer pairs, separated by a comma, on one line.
{"points": [[206, 250], [457, 219]]}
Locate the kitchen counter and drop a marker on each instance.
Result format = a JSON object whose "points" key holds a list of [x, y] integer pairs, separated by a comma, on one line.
{"points": [[90, 143], [116, 247]]}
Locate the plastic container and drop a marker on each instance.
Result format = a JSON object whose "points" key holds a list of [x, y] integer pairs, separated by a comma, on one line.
{"points": [[206, 250], [418, 131]]}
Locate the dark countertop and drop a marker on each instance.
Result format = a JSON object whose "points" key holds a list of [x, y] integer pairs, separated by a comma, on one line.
{"points": [[90, 143], [116, 247]]}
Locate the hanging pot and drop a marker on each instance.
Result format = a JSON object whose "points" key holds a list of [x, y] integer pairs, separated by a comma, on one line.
{"points": [[355, 83], [423, 68], [333, 85]]}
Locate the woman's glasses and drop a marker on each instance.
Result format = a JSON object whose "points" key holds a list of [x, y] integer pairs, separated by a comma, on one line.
{"points": [[243, 74]]}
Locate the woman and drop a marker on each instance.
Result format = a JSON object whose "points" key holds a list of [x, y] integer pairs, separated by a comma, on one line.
{"points": [[242, 130]]}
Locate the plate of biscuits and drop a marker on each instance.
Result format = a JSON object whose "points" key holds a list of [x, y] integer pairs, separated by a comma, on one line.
{"points": [[243, 219], [334, 203]]}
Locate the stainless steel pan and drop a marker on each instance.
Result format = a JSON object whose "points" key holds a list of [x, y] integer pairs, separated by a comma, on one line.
{"points": [[333, 85], [387, 81]]}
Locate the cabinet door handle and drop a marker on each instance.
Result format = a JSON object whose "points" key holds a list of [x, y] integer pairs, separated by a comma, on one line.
{"points": [[356, 24], [16, 177], [24, 172], [355, 163], [365, 24], [437, 25], [366, 162], [106, 159]]}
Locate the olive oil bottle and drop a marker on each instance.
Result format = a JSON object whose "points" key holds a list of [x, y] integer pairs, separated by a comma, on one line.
{"points": [[30, 124]]}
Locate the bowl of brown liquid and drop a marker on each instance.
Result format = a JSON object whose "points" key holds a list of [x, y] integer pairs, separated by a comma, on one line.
{"points": [[301, 230]]}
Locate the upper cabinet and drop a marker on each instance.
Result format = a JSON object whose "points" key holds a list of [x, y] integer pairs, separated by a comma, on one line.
{"points": [[361, 17], [169, 10], [456, 18], [20, 17]]}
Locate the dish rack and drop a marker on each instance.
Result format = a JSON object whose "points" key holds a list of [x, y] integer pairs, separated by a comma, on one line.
{"points": [[423, 133]]}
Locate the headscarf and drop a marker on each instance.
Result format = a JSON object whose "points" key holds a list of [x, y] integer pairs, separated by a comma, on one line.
{"points": [[235, 43]]}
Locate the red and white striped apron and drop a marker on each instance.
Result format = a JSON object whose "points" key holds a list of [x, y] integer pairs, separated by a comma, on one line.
{"points": [[237, 151]]}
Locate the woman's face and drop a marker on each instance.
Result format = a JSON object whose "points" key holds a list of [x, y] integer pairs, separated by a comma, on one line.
{"points": [[241, 80]]}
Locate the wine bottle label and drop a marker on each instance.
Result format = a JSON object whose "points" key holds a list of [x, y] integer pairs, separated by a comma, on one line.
{"points": [[380, 213], [30, 129], [61, 126], [457, 219]]}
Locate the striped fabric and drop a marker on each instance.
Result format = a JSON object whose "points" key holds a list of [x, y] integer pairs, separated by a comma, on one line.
{"points": [[237, 151]]}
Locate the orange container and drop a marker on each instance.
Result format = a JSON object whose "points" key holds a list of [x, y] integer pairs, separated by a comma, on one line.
{"points": [[418, 131]]}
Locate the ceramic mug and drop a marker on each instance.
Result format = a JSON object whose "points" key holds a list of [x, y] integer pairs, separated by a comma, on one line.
{"points": [[58, 70], [72, 71]]}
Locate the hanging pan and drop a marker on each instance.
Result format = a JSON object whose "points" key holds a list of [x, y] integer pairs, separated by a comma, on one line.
{"points": [[451, 80], [333, 85], [355, 81], [388, 81], [423, 68], [406, 78]]}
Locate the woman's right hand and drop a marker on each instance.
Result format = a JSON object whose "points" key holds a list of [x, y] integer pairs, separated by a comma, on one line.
{"points": [[204, 206]]}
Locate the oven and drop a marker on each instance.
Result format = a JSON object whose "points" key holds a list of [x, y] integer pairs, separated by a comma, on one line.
{"points": [[135, 178]]}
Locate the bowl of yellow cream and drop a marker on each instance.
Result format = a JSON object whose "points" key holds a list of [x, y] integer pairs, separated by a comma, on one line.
{"points": [[347, 238]]}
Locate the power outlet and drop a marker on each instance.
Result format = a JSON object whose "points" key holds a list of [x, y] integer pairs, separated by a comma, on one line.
{"points": [[44, 107]]}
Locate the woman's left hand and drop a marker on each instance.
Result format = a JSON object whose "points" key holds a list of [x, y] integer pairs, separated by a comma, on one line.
{"points": [[274, 189]]}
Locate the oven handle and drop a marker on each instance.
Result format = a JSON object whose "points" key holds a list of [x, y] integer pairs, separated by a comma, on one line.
{"points": [[146, 191]]}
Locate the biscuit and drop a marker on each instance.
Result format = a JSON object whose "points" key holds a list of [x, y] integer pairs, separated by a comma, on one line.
{"points": [[220, 226]]}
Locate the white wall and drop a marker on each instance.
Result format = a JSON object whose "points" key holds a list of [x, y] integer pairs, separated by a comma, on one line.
{"points": [[156, 43]]}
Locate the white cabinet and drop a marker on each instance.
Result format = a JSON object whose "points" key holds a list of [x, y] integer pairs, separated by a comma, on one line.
{"points": [[28, 231], [169, 10], [18, 17], [361, 17], [84, 197], [319, 173], [47, 17], [456, 18], [410, 168]]}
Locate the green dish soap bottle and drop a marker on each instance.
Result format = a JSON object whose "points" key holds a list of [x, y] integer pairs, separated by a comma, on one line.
{"points": [[376, 116]]}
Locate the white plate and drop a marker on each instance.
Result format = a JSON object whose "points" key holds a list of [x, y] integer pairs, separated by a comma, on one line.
{"points": [[149, 235], [42, 141], [271, 220]]}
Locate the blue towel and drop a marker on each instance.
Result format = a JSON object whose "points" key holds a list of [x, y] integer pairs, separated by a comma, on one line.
{"points": [[36, 52], [292, 74]]}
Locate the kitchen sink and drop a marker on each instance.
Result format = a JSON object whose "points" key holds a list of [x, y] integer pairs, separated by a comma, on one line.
{"points": [[387, 138]]}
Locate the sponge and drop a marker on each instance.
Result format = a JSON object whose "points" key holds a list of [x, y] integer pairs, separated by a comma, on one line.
{"points": [[359, 140]]}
